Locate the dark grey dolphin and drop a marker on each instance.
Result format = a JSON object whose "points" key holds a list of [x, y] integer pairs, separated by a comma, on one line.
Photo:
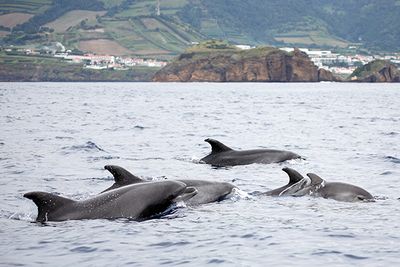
{"points": [[207, 191], [136, 202], [316, 186], [338, 191], [223, 156]]}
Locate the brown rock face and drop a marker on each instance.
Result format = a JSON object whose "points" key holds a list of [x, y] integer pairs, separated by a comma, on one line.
{"points": [[272, 65], [376, 71], [325, 75], [388, 73]]}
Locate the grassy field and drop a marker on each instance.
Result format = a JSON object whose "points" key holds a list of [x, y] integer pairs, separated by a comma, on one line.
{"points": [[111, 3], [151, 35], [73, 18], [12, 19], [311, 38], [103, 47], [308, 31]]}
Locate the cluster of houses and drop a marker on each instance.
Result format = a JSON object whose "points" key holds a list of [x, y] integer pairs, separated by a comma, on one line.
{"points": [[90, 61], [342, 64], [100, 62]]}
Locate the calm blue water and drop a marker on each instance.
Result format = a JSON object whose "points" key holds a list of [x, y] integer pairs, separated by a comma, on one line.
{"points": [[57, 137]]}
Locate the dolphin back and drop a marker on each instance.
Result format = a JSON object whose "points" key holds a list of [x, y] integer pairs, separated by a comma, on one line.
{"points": [[217, 146], [122, 177], [224, 156], [296, 182], [47, 204]]}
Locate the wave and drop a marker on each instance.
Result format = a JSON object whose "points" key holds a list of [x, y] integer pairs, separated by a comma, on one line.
{"points": [[391, 133], [19, 216], [392, 159], [192, 159], [109, 157], [238, 194], [89, 146]]}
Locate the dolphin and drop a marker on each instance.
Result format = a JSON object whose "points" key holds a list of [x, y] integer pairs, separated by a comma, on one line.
{"points": [[223, 156], [137, 202], [340, 191], [207, 192], [316, 186]]}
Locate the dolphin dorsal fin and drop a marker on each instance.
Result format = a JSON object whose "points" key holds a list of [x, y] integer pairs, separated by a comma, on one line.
{"points": [[217, 146], [47, 203], [294, 176], [122, 177], [315, 179]]}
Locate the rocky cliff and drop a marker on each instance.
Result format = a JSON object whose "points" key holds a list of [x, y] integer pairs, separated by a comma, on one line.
{"points": [[376, 71], [254, 65]]}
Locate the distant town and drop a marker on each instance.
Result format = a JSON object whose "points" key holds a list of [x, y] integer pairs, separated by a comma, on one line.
{"points": [[342, 65], [89, 60]]}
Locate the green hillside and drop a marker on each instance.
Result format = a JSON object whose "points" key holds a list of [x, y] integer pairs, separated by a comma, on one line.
{"points": [[374, 24], [136, 28], [28, 6]]}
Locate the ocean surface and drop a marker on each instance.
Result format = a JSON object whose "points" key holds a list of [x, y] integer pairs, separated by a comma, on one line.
{"points": [[57, 137]]}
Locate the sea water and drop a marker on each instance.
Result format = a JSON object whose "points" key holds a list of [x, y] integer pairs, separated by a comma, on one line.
{"points": [[57, 137]]}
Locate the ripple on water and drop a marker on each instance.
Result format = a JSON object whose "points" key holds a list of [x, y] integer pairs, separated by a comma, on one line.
{"points": [[139, 127], [342, 235], [83, 249], [390, 133], [64, 137], [322, 252], [170, 244], [392, 159], [355, 257], [102, 158], [89, 146]]}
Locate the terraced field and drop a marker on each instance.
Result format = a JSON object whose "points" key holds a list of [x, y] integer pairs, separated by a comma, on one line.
{"points": [[25, 6], [311, 39], [73, 18], [148, 8], [103, 47], [12, 19]]}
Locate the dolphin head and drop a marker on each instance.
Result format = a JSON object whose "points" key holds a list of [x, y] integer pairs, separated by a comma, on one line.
{"points": [[186, 194], [338, 191], [177, 191], [345, 192]]}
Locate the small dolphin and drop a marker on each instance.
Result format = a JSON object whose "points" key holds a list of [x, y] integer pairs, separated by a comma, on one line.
{"points": [[223, 156], [316, 186], [137, 202], [207, 191], [339, 191]]}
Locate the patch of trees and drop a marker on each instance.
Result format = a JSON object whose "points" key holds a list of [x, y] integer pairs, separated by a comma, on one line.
{"points": [[116, 9]]}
